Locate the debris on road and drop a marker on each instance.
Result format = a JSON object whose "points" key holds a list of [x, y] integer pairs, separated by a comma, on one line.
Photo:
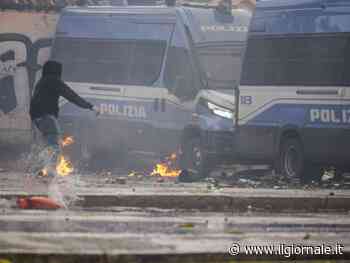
{"points": [[119, 180]]}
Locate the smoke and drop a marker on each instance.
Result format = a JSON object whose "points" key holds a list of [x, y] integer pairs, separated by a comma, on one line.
{"points": [[64, 189]]}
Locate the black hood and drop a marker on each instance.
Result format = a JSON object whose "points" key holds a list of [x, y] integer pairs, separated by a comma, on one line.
{"points": [[52, 68]]}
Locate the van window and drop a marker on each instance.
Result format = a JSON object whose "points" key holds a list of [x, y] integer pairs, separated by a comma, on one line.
{"points": [[221, 63], [295, 60], [125, 60]]}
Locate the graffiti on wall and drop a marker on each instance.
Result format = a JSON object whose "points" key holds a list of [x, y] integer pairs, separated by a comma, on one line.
{"points": [[9, 67], [25, 44]]}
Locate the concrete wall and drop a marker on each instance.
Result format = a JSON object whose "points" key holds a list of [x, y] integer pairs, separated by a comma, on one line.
{"points": [[25, 40]]}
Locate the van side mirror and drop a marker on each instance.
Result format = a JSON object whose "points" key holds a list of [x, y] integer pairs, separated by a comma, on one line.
{"points": [[182, 88]]}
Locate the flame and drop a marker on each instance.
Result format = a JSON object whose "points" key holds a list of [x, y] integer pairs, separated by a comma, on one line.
{"points": [[166, 168], [64, 166], [67, 141]]}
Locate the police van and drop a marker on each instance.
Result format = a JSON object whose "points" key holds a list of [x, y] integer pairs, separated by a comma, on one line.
{"points": [[162, 77], [294, 95]]}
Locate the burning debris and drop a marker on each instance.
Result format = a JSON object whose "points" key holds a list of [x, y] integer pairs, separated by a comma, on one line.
{"points": [[67, 141], [64, 167], [167, 168]]}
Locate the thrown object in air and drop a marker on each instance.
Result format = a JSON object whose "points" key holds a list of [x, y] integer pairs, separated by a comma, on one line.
{"points": [[38, 202]]}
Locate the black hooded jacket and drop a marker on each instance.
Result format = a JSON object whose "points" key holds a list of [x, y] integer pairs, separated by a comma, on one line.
{"points": [[48, 90]]}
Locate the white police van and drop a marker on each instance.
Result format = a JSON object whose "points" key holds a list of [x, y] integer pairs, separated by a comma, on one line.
{"points": [[161, 76], [294, 95]]}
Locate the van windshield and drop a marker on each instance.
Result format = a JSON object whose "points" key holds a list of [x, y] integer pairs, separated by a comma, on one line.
{"points": [[221, 64], [131, 53]]}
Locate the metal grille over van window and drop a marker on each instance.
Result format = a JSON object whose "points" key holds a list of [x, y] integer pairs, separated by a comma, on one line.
{"points": [[296, 60], [110, 50], [133, 62]]}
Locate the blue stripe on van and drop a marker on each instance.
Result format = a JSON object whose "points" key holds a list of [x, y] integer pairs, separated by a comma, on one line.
{"points": [[140, 110], [174, 117], [310, 115]]}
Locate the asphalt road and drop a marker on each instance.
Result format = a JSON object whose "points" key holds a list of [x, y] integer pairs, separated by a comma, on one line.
{"points": [[127, 231], [83, 233]]}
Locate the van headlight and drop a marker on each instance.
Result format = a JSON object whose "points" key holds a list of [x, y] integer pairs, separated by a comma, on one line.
{"points": [[220, 111]]}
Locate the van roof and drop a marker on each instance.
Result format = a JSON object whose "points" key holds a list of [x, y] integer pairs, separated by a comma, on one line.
{"points": [[297, 4], [300, 17], [205, 25], [275, 4], [153, 10]]}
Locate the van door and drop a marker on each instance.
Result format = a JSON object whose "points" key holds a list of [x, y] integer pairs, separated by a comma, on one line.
{"points": [[115, 61], [175, 107], [344, 20], [327, 137]]}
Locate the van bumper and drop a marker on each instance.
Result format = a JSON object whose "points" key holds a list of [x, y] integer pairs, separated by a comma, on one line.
{"points": [[219, 146]]}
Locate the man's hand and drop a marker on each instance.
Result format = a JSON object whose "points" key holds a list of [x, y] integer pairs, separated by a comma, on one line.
{"points": [[96, 110]]}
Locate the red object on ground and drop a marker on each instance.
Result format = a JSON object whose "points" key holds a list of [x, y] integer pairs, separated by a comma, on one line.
{"points": [[37, 202]]}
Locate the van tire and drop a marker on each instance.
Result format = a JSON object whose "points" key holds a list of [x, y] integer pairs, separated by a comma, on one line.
{"points": [[291, 159], [193, 159]]}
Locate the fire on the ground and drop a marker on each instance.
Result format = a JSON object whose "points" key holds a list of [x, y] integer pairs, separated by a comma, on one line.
{"points": [[166, 168], [64, 167]]}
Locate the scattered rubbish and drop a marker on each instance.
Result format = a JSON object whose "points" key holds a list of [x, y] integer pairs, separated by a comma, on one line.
{"points": [[242, 180], [104, 174], [132, 174], [120, 180], [187, 225], [187, 176], [160, 180], [328, 175], [38, 202], [234, 231], [307, 236], [212, 181]]}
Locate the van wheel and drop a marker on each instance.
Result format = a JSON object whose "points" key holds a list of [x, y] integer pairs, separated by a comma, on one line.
{"points": [[292, 159], [193, 159]]}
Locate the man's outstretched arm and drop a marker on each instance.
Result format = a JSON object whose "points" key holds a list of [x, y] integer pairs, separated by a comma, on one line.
{"points": [[71, 96]]}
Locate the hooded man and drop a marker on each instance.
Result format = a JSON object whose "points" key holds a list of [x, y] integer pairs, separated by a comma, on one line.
{"points": [[44, 107]]}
